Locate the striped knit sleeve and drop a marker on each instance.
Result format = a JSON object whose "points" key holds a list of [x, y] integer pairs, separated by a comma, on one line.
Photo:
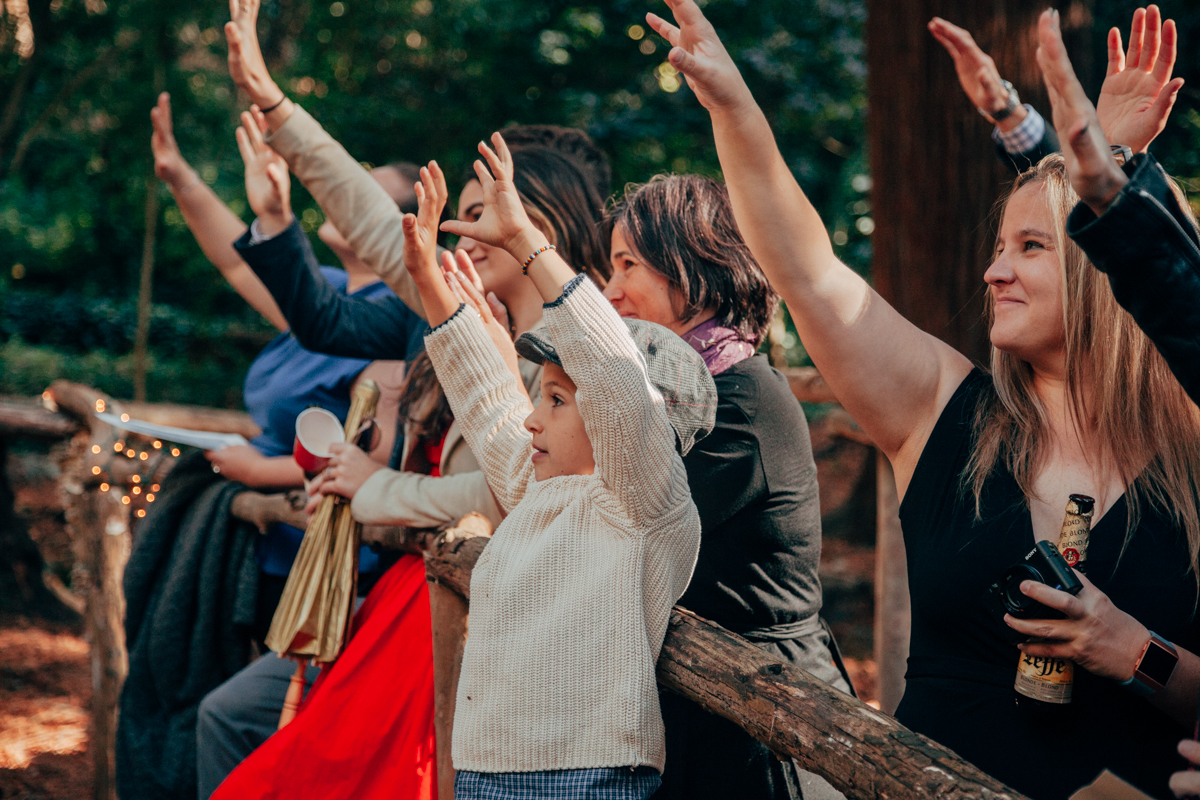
{"points": [[487, 402]]}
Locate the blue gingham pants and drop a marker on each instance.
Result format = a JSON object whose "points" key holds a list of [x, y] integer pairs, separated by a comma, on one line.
{"points": [[601, 783]]}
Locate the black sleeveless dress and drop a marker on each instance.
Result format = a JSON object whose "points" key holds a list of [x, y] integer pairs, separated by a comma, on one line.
{"points": [[962, 661]]}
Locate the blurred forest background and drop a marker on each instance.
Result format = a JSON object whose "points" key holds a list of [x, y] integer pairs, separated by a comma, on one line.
{"points": [[392, 80]]}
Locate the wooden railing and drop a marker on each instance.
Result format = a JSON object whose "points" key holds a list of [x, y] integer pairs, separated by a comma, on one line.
{"points": [[863, 752]]}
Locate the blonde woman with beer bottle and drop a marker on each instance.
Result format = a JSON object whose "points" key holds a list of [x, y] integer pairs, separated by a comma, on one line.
{"points": [[1077, 401]]}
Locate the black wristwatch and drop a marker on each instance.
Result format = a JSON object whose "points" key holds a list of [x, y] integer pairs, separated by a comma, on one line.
{"points": [[1154, 666], [1014, 100]]}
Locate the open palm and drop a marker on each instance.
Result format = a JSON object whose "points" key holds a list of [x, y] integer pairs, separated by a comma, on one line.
{"points": [[169, 164], [1138, 93], [503, 222], [420, 229], [268, 188], [698, 53]]}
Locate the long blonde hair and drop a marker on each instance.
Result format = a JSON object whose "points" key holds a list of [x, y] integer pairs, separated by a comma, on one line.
{"points": [[1121, 393]]}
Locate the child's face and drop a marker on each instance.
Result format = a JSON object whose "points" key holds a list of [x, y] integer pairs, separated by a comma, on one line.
{"points": [[560, 444]]}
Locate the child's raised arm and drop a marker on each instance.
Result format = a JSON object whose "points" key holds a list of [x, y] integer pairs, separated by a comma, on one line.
{"points": [[484, 389], [625, 416]]}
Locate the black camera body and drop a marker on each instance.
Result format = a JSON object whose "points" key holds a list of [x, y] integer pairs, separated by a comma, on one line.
{"points": [[1044, 564]]}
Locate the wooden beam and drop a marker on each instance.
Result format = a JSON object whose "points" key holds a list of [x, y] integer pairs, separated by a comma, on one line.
{"points": [[25, 417], [862, 752]]}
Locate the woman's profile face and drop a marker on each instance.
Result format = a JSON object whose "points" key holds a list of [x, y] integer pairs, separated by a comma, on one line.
{"points": [[636, 290], [497, 269], [1025, 281]]}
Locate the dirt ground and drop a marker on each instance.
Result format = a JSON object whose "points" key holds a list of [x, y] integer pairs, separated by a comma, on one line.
{"points": [[45, 689]]}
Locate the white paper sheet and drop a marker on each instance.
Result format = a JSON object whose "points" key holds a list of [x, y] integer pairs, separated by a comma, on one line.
{"points": [[205, 440]]}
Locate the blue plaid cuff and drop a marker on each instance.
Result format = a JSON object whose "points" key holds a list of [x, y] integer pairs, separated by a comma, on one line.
{"points": [[1025, 136]]}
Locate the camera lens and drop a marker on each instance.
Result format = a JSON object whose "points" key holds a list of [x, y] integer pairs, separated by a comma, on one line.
{"points": [[1014, 601]]}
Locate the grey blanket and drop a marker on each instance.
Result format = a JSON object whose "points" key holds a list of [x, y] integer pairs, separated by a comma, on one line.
{"points": [[190, 588]]}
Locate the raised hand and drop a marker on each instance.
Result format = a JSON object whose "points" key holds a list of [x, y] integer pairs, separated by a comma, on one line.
{"points": [[461, 277], [268, 188], [169, 164], [697, 52], [976, 70], [246, 64], [420, 229], [503, 222], [1138, 93], [1095, 174]]}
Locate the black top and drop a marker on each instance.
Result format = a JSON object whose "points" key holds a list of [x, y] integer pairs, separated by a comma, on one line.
{"points": [[754, 482], [1150, 250], [322, 319], [962, 661]]}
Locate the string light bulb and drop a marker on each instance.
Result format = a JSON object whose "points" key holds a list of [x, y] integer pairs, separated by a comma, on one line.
{"points": [[157, 444], [141, 512], [149, 498], [154, 488], [175, 451], [129, 453], [137, 490], [95, 448], [104, 487], [95, 470], [125, 499], [136, 479], [118, 446], [143, 456], [100, 405], [124, 418]]}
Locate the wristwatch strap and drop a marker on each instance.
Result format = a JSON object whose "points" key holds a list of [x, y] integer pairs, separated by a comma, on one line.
{"points": [[1014, 100], [1154, 666]]}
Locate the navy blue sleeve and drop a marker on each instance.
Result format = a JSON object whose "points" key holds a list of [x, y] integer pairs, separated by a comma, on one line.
{"points": [[323, 319], [1150, 250]]}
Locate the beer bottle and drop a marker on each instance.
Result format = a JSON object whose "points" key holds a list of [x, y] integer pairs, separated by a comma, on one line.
{"points": [[1043, 681]]}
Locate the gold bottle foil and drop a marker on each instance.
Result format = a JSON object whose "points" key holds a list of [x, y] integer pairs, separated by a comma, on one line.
{"points": [[1051, 680]]}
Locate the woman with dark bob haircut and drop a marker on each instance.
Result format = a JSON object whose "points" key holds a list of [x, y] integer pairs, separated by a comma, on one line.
{"points": [[678, 259]]}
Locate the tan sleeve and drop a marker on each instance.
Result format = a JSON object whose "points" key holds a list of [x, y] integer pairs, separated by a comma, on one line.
{"points": [[420, 501], [358, 206]]}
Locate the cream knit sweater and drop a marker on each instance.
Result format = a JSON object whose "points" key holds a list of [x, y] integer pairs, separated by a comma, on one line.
{"points": [[570, 600]]}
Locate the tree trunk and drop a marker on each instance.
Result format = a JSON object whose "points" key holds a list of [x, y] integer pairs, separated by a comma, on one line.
{"points": [[935, 173]]}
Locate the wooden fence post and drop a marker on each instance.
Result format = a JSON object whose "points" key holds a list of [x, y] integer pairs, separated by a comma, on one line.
{"points": [[99, 523], [892, 612]]}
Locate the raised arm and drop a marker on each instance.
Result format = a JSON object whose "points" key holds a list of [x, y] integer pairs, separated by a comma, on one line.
{"points": [[1021, 134], [322, 319], [358, 206], [1138, 92], [625, 417], [210, 221], [1129, 222], [892, 377]]}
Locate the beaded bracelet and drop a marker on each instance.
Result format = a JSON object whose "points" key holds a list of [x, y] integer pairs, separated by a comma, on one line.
{"points": [[535, 254]]}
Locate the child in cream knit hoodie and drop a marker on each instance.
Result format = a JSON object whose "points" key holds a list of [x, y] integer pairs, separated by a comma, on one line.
{"points": [[571, 598]]}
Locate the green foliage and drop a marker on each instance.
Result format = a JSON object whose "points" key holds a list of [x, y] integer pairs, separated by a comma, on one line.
{"points": [[393, 80]]}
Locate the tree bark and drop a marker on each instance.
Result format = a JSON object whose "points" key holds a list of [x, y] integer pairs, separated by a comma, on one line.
{"points": [[934, 170], [29, 418]]}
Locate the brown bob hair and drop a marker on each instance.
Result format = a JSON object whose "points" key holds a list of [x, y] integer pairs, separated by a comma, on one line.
{"points": [[682, 226]]}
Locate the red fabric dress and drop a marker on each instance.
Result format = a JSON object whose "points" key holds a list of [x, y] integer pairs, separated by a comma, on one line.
{"points": [[365, 730]]}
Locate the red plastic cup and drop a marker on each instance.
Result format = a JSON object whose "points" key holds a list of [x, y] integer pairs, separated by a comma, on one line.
{"points": [[316, 429]]}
